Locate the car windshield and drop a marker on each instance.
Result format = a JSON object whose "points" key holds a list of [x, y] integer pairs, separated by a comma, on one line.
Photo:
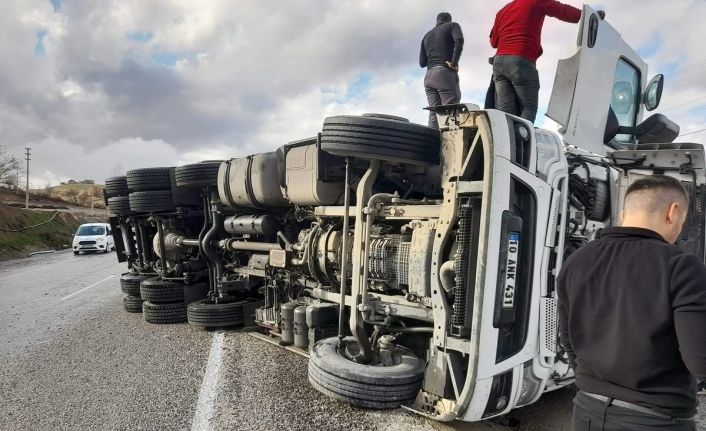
{"points": [[90, 230]]}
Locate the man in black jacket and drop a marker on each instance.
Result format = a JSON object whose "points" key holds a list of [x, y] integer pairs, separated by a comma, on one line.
{"points": [[632, 314], [440, 52]]}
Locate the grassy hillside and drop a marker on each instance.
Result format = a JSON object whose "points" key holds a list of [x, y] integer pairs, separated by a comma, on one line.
{"points": [[78, 187], [56, 234], [78, 194]]}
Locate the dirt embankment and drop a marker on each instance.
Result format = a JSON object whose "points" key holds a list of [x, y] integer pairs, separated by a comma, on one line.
{"points": [[18, 239]]}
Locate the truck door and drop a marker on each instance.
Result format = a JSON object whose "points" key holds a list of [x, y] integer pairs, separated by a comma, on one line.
{"points": [[605, 71]]}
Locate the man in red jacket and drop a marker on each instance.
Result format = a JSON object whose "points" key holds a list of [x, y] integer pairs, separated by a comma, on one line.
{"points": [[517, 35]]}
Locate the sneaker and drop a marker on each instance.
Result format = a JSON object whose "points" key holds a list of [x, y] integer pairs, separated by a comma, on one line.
{"points": [[701, 387]]}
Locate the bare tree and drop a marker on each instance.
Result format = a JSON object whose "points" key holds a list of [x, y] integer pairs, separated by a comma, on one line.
{"points": [[9, 165]]}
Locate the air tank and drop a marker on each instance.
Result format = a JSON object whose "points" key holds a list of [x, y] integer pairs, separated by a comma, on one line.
{"points": [[287, 316], [301, 330]]}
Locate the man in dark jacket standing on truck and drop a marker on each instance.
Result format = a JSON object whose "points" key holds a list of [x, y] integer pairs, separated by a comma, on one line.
{"points": [[440, 52], [632, 313], [517, 36]]}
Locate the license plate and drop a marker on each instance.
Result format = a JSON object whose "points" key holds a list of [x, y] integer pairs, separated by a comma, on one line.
{"points": [[513, 250]]}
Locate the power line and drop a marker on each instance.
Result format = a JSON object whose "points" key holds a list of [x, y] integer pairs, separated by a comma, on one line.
{"points": [[698, 99], [692, 133]]}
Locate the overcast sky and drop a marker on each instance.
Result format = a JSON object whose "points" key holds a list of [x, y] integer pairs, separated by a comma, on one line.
{"points": [[97, 87]]}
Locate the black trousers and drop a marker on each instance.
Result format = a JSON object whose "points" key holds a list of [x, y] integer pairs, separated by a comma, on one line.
{"points": [[516, 86], [591, 414], [441, 86]]}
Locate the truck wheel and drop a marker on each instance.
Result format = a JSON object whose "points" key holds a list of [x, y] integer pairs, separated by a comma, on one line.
{"points": [[119, 205], [374, 137], [159, 291], [116, 186], [210, 315], [198, 175], [140, 180], [130, 283], [164, 313], [151, 201], [132, 304], [375, 386]]}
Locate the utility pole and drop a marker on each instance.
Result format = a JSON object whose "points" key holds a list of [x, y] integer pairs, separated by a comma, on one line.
{"points": [[27, 153]]}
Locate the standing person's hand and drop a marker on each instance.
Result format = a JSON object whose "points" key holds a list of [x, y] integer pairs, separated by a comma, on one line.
{"points": [[451, 66]]}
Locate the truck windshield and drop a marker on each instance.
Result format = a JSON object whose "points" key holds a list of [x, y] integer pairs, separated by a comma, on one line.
{"points": [[626, 97], [90, 230]]}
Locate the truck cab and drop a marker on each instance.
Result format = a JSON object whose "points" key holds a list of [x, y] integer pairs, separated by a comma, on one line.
{"points": [[544, 195]]}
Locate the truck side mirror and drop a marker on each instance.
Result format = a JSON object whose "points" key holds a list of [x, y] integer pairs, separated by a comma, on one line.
{"points": [[653, 93]]}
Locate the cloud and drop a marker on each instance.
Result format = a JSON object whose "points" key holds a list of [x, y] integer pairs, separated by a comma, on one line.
{"points": [[95, 84]]}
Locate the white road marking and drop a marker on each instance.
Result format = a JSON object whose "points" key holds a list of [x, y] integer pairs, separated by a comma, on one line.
{"points": [[88, 287], [206, 404]]}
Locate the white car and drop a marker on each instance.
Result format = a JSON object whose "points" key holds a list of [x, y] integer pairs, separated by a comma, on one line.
{"points": [[93, 237]]}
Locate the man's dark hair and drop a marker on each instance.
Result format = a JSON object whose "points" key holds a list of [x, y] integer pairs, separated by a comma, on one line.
{"points": [[670, 187], [443, 17]]}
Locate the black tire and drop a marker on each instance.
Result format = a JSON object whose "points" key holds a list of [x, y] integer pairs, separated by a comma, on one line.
{"points": [[386, 116], [116, 186], [164, 313], [380, 139], [130, 283], [370, 386], [132, 304], [158, 291], [151, 201], [209, 315], [119, 205], [76, 253], [204, 174], [140, 180]]}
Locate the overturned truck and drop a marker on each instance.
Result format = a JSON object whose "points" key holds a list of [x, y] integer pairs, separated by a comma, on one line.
{"points": [[417, 267]]}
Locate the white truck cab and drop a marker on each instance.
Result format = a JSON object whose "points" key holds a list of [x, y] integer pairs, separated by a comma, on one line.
{"points": [[544, 195], [93, 237]]}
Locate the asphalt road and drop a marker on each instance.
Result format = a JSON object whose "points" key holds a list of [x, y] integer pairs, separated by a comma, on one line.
{"points": [[71, 358]]}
